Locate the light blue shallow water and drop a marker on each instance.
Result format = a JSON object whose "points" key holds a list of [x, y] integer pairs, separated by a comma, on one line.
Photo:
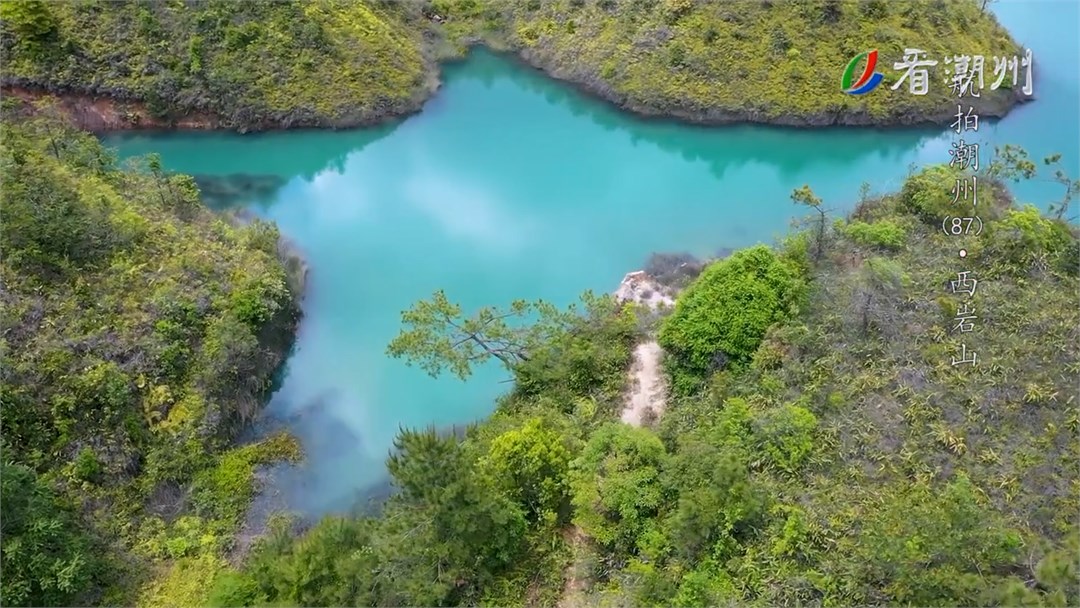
{"points": [[511, 186]]}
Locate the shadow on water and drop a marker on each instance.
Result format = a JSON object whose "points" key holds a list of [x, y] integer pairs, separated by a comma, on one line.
{"points": [[258, 156], [283, 486], [238, 189]]}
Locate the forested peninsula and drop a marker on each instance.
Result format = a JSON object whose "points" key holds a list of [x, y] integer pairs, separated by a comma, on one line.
{"points": [[250, 65]]}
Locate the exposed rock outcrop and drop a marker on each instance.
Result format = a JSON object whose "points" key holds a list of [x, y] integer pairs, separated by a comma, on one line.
{"points": [[102, 114], [641, 288]]}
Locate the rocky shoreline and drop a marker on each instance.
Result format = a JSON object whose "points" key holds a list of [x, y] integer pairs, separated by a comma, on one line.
{"points": [[99, 114], [103, 114], [589, 84]]}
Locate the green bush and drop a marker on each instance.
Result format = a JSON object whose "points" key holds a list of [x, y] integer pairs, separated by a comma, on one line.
{"points": [[248, 64], [87, 466], [589, 358], [1024, 237], [724, 314], [930, 545], [532, 465], [928, 194], [717, 503], [47, 560], [787, 436], [224, 491], [258, 299], [119, 345], [886, 234], [31, 22], [47, 221], [235, 590], [616, 484]]}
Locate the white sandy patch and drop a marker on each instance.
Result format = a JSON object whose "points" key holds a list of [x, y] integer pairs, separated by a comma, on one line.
{"points": [[647, 390]]}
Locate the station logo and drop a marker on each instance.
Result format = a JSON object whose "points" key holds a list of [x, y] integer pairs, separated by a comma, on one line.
{"points": [[869, 79]]}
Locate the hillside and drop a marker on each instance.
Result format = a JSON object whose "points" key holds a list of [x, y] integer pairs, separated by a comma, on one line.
{"points": [[259, 65], [140, 332], [219, 63], [819, 447], [745, 60]]}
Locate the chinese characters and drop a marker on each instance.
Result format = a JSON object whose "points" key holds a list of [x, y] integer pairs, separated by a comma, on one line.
{"points": [[965, 74], [966, 81]]}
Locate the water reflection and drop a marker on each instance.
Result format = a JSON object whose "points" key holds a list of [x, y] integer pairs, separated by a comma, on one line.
{"points": [[238, 189], [259, 154], [721, 148]]}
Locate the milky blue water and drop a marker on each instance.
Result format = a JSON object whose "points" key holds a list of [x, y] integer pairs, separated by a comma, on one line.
{"points": [[509, 185]]}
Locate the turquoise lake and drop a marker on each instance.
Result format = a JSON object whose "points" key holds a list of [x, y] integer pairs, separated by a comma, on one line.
{"points": [[510, 185]]}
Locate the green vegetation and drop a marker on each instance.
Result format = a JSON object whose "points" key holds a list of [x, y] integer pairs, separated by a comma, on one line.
{"points": [[244, 64], [140, 332], [820, 448], [723, 316], [757, 60], [884, 234], [253, 65], [47, 559]]}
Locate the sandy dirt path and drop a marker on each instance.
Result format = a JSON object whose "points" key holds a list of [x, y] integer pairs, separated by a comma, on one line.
{"points": [[647, 390], [645, 398]]}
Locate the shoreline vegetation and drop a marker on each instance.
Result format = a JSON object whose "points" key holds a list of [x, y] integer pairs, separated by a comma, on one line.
{"points": [[142, 333], [325, 64]]}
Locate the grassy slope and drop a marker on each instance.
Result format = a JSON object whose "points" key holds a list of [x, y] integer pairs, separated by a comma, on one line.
{"points": [[258, 65], [140, 330], [755, 60], [897, 422], [250, 64]]}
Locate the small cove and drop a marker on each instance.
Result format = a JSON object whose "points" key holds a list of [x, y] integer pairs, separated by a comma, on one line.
{"points": [[510, 185]]}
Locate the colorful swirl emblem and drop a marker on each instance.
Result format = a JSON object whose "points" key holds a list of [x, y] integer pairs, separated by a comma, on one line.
{"points": [[869, 79]]}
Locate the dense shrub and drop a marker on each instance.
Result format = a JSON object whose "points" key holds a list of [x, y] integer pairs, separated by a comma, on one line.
{"points": [[47, 560], [931, 544], [928, 193], [258, 300], [532, 464], [248, 64], [48, 222], [125, 356], [706, 59], [1023, 238], [717, 502], [885, 234], [586, 359], [617, 486], [787, 436], [726, 311]]}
